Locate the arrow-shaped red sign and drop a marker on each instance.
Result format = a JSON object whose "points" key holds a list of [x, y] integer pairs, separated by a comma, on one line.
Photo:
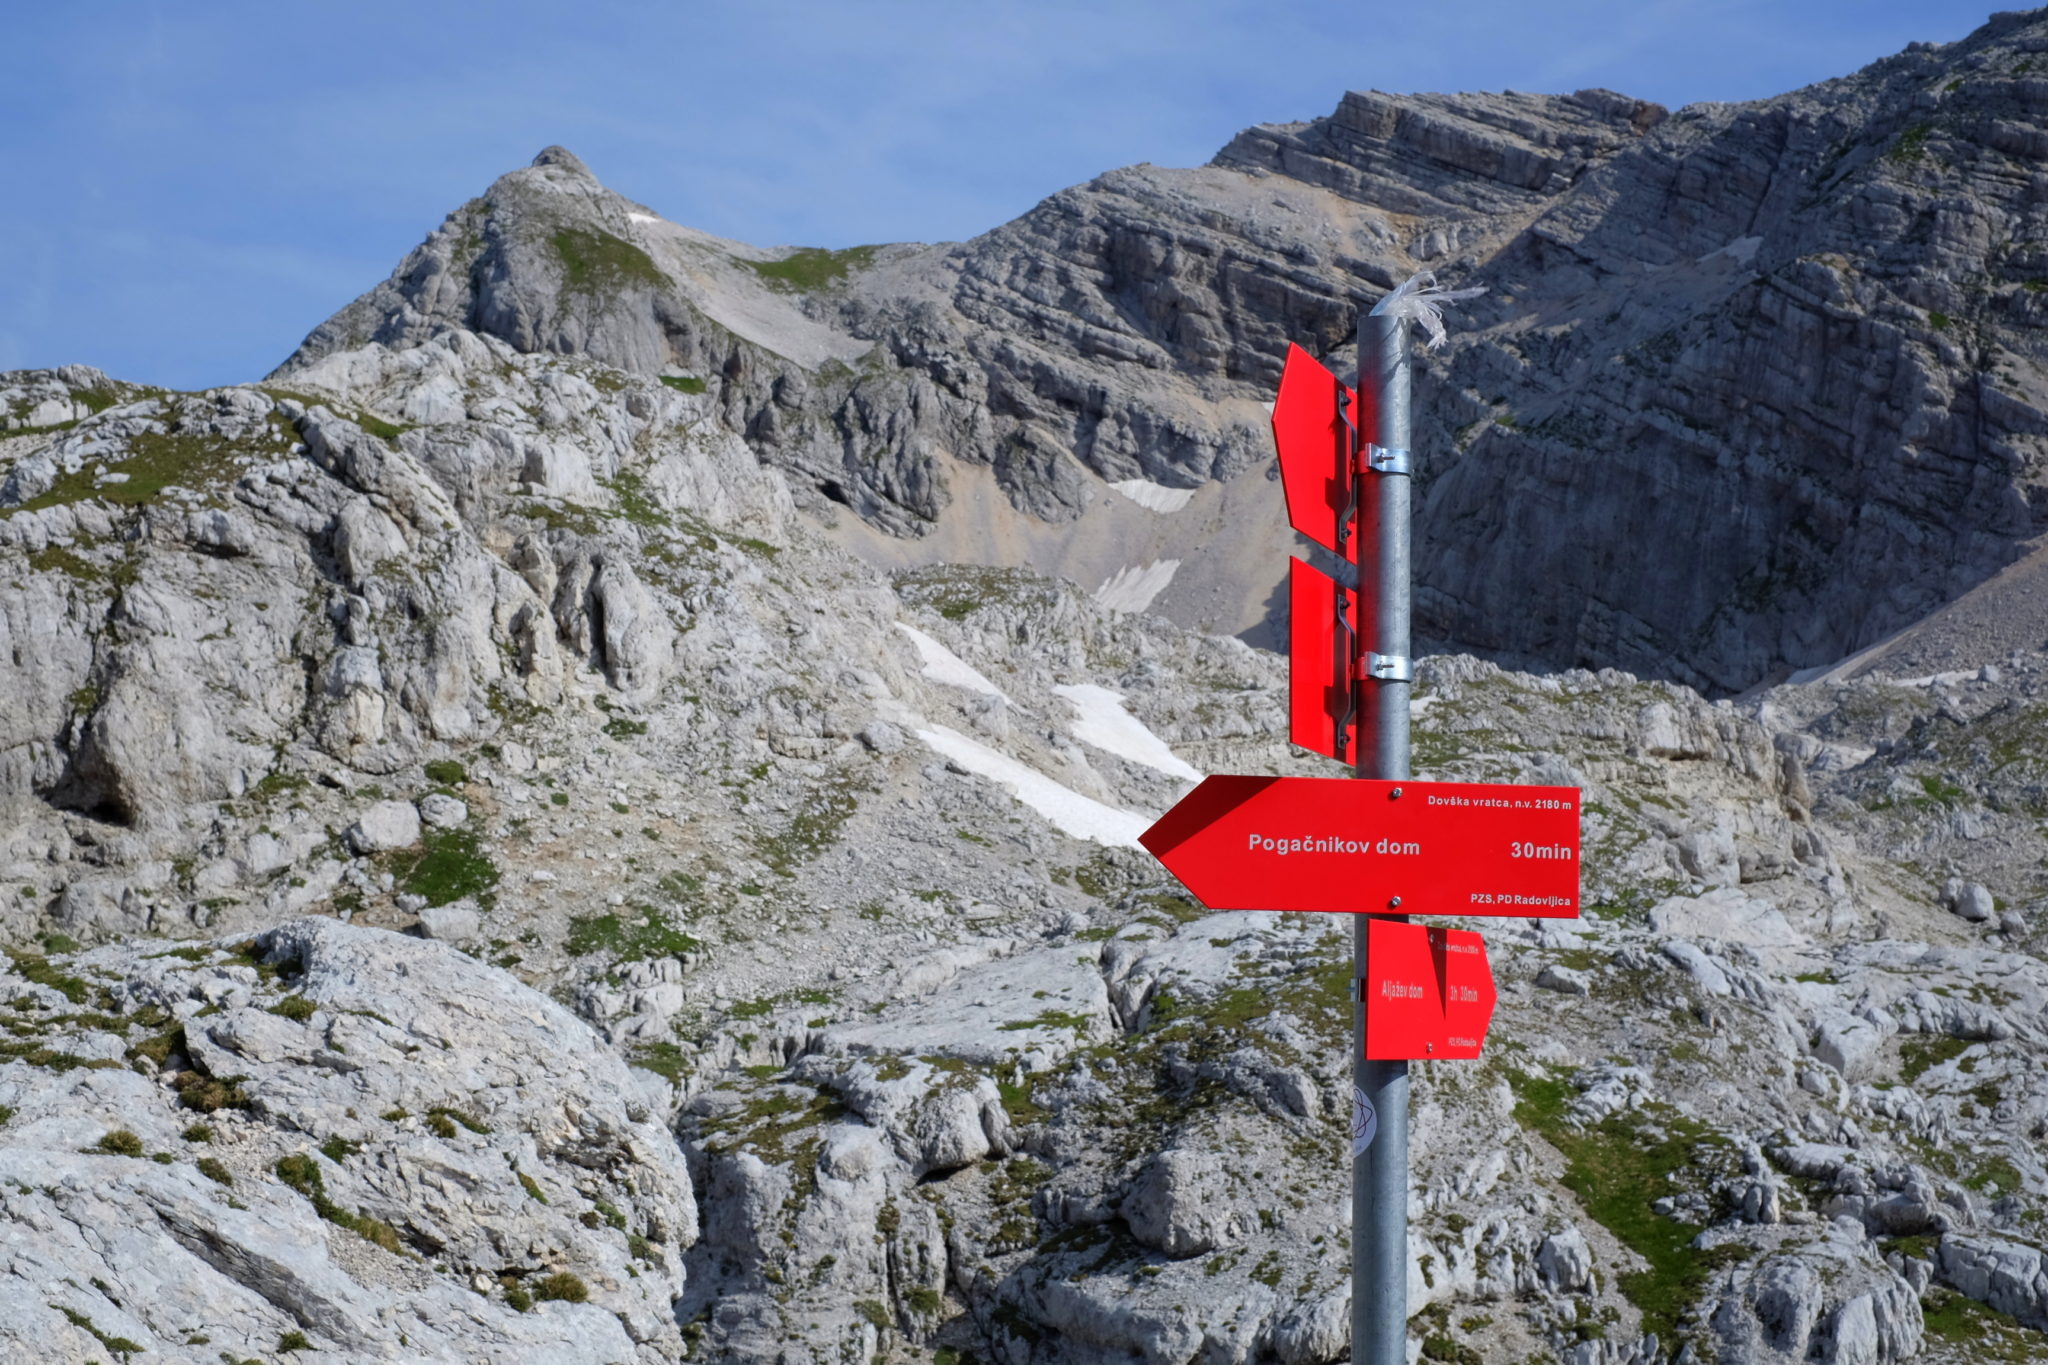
{"points": [[1313, 419], [1429, 848], [1429, 993]]}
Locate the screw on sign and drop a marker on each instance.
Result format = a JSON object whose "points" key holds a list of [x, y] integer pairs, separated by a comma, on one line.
{"points": [[1386, 847]]}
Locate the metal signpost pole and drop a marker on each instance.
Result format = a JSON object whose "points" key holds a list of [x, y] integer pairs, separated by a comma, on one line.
{"points": [[1379, 1175]]}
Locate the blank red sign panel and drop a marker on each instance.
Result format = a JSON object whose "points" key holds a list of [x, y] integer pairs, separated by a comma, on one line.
{"points": [[1319, 660], [1347, 845]]}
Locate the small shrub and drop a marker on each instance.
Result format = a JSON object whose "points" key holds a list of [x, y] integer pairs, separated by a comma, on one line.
{"points": [[296, 1008], [338, 1149], [213, 1170], [442, 1118], [198, 1132], [447, 772], [120, 1142], [207, 1094], [562, 1287], [532, 1187], [294, 1340], [516, 1297]]}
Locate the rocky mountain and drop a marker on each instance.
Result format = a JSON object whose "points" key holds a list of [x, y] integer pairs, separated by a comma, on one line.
{"points": [[1815, 317], [572, 823]]}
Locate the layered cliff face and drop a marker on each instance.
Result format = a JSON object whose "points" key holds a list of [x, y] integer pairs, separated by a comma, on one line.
{"points": [[1752, 387]]}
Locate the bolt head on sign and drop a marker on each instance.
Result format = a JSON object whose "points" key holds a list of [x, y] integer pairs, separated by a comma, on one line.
{"points": [[1352, 846]]}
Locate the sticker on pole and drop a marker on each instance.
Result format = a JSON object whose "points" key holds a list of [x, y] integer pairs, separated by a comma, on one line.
{"points": [[1365, 1123]]}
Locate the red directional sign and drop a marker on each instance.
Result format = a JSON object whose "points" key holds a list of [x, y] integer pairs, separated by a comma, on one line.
{"points": [[1312, 427], [1404, 1001], [1429, 993], [1320, 691], [1469, 995], [1372, 847]]}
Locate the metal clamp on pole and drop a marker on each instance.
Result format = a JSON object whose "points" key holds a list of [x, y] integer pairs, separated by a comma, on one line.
{"points": [[1387, 459], [1388, 667]]}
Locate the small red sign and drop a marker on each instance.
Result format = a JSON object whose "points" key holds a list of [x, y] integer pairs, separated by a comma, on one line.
{"points": [[1468, 991], [1321, 696], [1429, 993], [1374, 847], [1312, 428], [1404, 1004]]}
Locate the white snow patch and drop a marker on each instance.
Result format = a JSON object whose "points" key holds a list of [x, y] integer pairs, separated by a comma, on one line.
{"points": [[1105, 724], [641, 218], [1132, 588], [943, 665], [1741, 251], [1154, 497], [1078, 816]]}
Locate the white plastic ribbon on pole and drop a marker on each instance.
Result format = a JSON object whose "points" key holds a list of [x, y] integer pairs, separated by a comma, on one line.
{"points": [[1420, 297]]}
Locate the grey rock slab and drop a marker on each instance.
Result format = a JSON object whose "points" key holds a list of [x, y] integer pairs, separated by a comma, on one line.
{"points": [[457, 923], [385, 826], [2010, 1276], [1030, 1009], [1698, 966], [1563, 980], [442, 811], [1727, 915]]}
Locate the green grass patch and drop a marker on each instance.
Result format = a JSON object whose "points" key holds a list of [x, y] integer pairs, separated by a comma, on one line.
{"points": [[120, 1346], [811, 268], [153, 462], [1920, 1053], [1618, 1168], [1911, 146], [447, 772], [683, 383], [38, 970], [448, 866], [302, 1174], [820, 815], [596, 262], [663, 1059], [1982, 1332], [630, 936]]}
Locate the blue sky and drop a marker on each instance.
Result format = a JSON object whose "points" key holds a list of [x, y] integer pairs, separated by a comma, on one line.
{"points": [[191, 187]]}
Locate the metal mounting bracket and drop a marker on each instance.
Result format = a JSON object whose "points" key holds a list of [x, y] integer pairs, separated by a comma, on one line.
{"points": [[1388, 667], [1387, 459]]}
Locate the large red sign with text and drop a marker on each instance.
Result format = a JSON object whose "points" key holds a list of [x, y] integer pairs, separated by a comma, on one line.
{"points": [[1375, 847]]}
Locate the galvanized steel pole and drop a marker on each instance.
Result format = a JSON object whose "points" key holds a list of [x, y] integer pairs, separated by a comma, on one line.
{"points": [[1379, 1175]]}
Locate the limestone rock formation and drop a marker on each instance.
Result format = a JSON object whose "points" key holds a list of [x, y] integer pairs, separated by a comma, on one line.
{"points": [[502, 857]]}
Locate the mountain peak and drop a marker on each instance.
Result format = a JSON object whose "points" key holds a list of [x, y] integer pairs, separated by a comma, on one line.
{"points": [[566, 159]]}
